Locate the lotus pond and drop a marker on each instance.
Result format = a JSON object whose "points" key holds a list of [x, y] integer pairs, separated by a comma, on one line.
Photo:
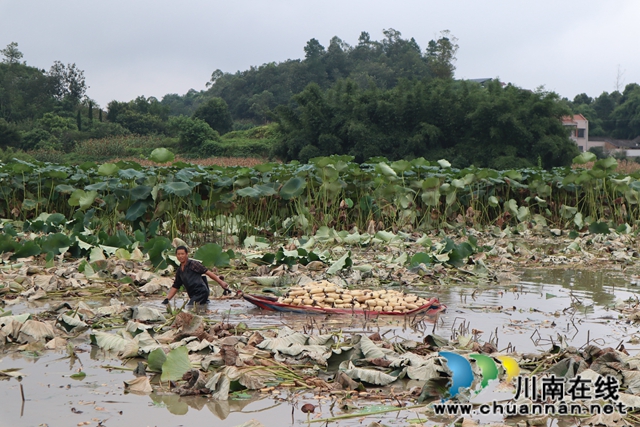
{"points": [[578, 308], [538, 265]]}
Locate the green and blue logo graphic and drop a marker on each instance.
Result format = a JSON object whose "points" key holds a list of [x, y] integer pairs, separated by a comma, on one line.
{"points": [[462, 374]]}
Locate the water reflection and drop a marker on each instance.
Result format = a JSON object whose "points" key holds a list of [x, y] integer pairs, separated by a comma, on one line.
{"points": [[179, 405]]}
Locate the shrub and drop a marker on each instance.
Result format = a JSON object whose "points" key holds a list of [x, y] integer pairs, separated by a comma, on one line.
{"points": [[48, 155]]}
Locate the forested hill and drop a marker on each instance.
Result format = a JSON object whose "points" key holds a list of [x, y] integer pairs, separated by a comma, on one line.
{"points": [[251, 94], [388, 97]]}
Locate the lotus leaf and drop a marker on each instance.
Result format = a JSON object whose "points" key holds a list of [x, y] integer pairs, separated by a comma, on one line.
{"points": [[82, 199], [585, 157], [139, 385], [112, 342], [370, 376], [161, 155], [26, 250], [212, 255], [136, 210], [420, 258], [293, 188], [344, 262], [249, 192], [54, 242], [219, 385], [608, 165], [599, 228], [156, 359], [64, 188], [35, 331], [98, 186], [108, 169], [180, 189], [176, 364]]}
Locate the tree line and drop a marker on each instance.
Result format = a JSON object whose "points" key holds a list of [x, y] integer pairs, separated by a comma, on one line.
{"points": [[387, 97]]}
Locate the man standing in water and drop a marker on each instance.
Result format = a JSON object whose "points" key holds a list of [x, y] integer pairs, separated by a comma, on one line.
{"points": [[189, 275]]}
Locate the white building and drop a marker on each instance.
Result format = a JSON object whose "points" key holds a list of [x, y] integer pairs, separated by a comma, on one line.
{"points": [[579, 132]]}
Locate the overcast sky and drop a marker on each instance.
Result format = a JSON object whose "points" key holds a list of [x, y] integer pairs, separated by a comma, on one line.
{"points": [[129, 48]]}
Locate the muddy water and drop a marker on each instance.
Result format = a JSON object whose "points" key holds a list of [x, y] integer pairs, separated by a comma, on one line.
{"points": [[545, 307]]}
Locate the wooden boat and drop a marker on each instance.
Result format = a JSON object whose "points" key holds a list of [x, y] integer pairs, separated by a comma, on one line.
{"points": [[431, 308]]}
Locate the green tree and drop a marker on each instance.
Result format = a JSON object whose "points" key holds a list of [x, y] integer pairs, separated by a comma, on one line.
{"points": [[69, 84], [441, 55], [215, 112], [9, 135], [194, 133], [627, 113], [11, 54]]}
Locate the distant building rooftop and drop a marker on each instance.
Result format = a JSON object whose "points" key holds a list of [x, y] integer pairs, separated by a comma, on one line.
{"points": [[619, 143], [573, 119], [480, 80]]}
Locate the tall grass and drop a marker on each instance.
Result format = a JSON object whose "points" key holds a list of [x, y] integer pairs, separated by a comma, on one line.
{"points": [[119, 146]]}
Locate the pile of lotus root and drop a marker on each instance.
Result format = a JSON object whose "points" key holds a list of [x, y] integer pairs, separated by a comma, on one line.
{"points": [[325, 294]]}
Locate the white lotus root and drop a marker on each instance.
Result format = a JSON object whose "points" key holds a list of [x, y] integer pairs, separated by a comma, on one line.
{"points": [[325, 294]]}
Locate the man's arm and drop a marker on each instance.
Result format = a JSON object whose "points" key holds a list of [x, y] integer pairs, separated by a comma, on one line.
{"points": [[177, 282], [172, 293], [214, 277]]}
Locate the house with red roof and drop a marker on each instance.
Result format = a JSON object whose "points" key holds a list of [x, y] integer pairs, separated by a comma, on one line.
{"points": [[578, 127]]}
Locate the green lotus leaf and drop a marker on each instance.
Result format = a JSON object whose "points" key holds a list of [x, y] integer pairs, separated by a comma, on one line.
{"points": [[131, 174], [97, 186], [56, 174], [420, 258], [386, 170], [431, 183], [493, 201], [28, 249], [176, 364], [267, 190], [293, 188], [136, 210], [56, 219], [420, 161], [29, 204], [431, 197], [22, 167], [82, 199], [265, 167], [87, 166], [156, 359], [599, 228], [180, 189], [108, 169], [212, 255], [64, 188], [140, 192], [515, 175], [401, 166], [249, 192], [609, 164], [55, 242], [585, 157], [161, 155], [444, 164], [155, 248], [511, 206]]}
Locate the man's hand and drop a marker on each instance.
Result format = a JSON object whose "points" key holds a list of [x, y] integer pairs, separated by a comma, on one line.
{"points": [[166, 301]]}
